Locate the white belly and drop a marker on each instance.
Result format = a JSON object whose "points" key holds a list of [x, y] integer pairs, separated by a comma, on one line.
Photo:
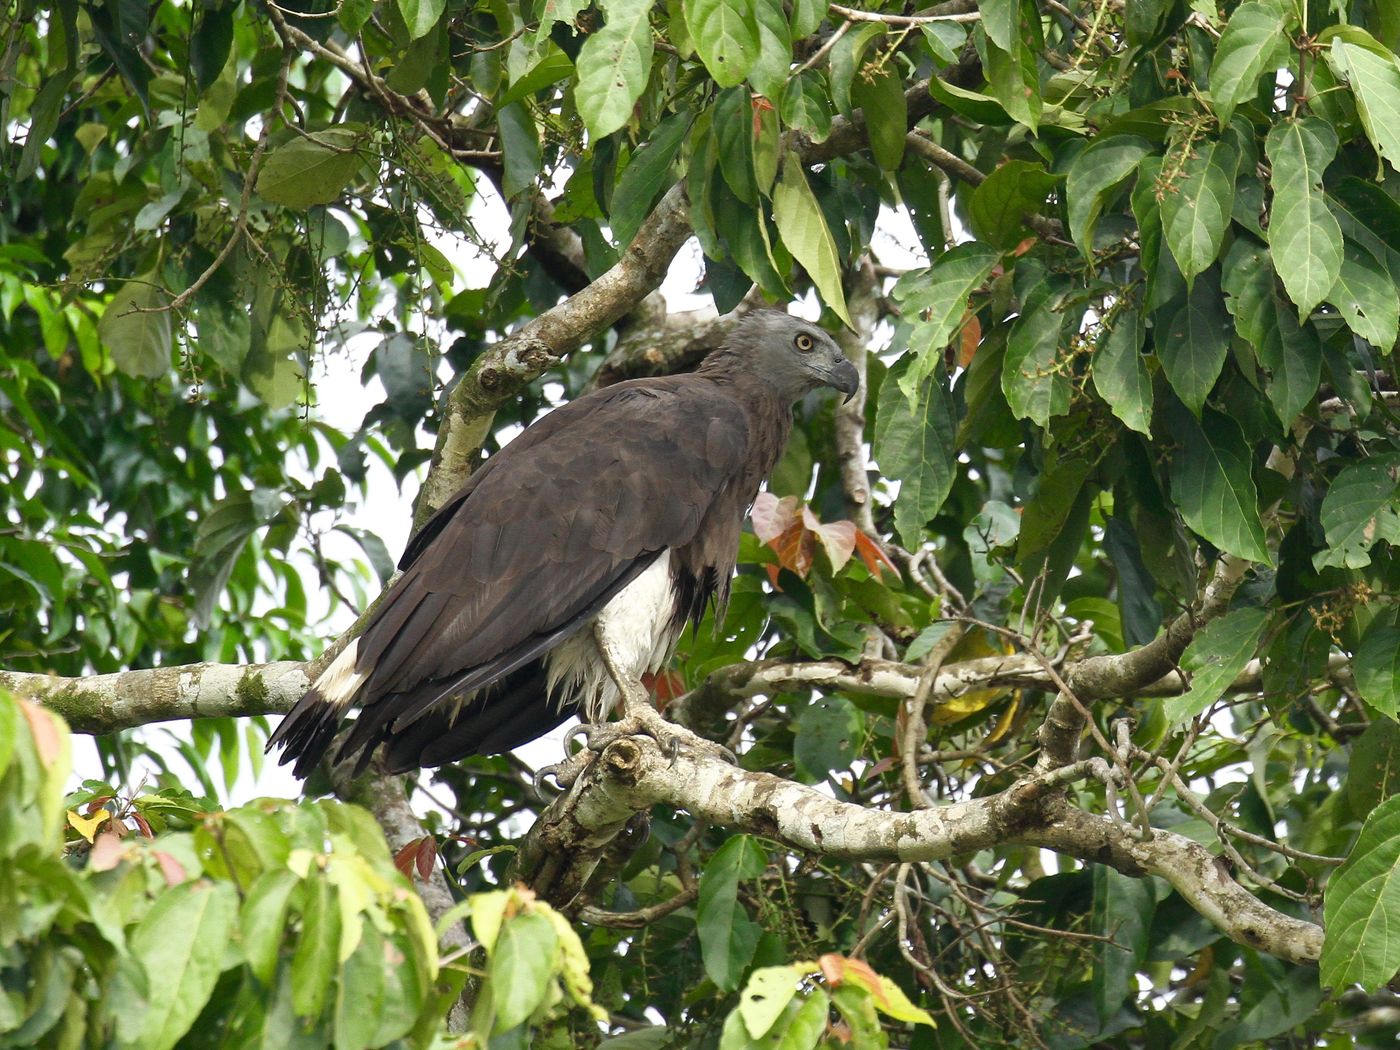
{"points": [[638, 624]]}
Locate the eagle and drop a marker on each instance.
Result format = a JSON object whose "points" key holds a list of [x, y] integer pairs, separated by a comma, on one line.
{"points": [[569, 563]]}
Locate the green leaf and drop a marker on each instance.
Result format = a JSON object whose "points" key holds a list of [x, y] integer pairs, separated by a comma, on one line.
{"points": [[825, 737], [309, 170], [725, 36], [180, 944], [1373, 773], [1253, 43], [727, 935], [1365, 296], [1361, 907], [1034, 378], [770, 72], [1304, 238], [765, 997], [1092, 176], [420, 15], [914, 441], [1377, 665], [552, 67], [847, 58], [807, 107], [1197, 340], [733, 125], [938, 297], [1001, 204], [1120, 372], [1375, 82], [209, 45], [645, 176], [317, 955], [1214, 488], [803, 229], [1215, 658], [880, 96], [807, 17], [520, 148], [614, 65], [1013, 77], [1123, 908], [522, 968], [1293, 355], [1361, 508], [262, 921], [1196, 208], [136, 330]]}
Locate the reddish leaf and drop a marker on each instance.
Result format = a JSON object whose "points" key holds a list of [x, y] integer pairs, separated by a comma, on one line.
{"points": [[838, 968], [665, 686], [107, 852], [772, 516], [43, 726], [404, 859], [427, 857], [795, 548], [171, 868], [874, 556], [883, 766], [143, 825], [969, 336], [96, 804], [838, 538]]}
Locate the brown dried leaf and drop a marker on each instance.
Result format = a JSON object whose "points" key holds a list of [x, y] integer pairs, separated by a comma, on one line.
{"points": [[426, 857], [874, 556]]}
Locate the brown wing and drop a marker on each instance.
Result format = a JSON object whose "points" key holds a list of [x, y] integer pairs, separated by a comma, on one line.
{"points": [[554, 525]]}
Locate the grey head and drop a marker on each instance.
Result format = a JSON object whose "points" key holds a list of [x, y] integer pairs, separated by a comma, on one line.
{"points": [[791, 354]]}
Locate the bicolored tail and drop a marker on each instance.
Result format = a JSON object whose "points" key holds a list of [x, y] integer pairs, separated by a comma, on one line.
{"points": [[307, 731]]}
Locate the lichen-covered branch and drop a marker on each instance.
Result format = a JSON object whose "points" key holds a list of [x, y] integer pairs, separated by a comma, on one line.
{"points": [[633, 774], [106, 703]]}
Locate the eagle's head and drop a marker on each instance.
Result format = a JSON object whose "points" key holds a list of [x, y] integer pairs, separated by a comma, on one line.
{"points": [[794, 355]]}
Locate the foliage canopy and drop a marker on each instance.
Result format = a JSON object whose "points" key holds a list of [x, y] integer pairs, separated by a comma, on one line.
{"points": [[1117, 576]]}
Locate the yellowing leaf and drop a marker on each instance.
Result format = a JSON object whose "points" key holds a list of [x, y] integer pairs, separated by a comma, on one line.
{"points": [[87, 826]]}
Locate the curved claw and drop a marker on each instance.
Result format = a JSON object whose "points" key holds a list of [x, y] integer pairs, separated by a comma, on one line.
{"points": [[564, 773]]}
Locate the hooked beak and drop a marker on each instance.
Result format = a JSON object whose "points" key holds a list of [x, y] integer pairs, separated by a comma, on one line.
{"points": [[844, 377]]}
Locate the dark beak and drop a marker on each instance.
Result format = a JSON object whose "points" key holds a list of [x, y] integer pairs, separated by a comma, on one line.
{"points": [[844, 378]]}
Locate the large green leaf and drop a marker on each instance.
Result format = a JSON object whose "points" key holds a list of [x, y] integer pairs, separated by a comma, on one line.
{"points": [[135, 327], [1214, 488], [1001, 204], [1365, 295], [1192, 350], [613, 66], [726, 37], [1122, 915], [317, 956], [1361, 907], [1361, 508], [879, 93], [770, 72], [1375, 82], [421, 15], [1196, 207], [1304, 238], [522, 968], [1293, 355], [180, 943], [914, 441], [1034, 376], [1252, 45], [1377, 665], [826, 734], [311, 169], [727, 935], [646, 176], [941, 292], [1092, 177], [765, 997], [1216, 656], [803, 229], [1120, 372]]}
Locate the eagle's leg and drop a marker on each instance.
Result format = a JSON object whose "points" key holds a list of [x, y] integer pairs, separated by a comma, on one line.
{"points": [[637, 715]]}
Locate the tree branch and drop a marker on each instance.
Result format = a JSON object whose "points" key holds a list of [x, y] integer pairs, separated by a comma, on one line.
{"points": [[633, 774]]}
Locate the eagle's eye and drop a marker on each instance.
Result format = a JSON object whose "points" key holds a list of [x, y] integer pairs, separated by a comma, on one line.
{"points": [[803, 342]]}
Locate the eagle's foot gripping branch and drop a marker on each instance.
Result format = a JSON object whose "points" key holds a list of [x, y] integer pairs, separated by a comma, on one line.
{"points": [[644, 720]]}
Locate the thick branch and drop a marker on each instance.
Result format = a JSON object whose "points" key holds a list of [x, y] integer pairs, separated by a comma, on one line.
{"points": [[106, 703], [633, 775]]}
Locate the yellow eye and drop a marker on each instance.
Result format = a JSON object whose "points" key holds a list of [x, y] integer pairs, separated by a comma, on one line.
{"points": [[803, 342]]}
